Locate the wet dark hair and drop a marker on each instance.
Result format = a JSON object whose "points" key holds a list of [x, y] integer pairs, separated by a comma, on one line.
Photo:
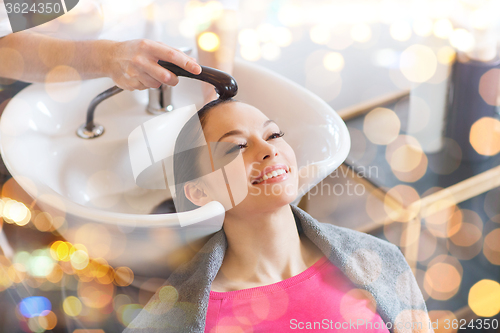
{"points": [[187, 165]]}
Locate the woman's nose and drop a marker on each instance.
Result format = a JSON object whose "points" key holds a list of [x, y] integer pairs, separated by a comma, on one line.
{"points": [[268, 151]]}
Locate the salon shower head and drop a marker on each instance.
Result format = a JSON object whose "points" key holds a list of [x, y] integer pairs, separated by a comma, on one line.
{"points": [[225, 85]]}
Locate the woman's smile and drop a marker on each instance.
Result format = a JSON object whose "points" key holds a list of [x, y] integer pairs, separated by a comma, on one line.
{"points": [[273, 174]]}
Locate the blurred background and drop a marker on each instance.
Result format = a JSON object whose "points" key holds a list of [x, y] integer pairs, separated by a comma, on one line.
{"points": [[418, 85]]}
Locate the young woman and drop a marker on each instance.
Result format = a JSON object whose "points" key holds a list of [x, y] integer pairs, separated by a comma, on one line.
{"points": [[273, 268]]}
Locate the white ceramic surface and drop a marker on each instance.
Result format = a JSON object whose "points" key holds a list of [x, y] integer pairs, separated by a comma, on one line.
{"points": [[90, 183]]}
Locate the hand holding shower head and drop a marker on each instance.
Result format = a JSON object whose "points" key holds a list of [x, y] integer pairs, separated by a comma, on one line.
{"points": [[225, 85]]}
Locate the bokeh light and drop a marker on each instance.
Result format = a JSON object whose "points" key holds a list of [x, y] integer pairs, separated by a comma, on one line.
{"points": [[291, 15], [462, 40], [96, 237], [340, 37], [443, 317], [265, 32], [387, 58], [124, 276], [489, 86], [423, 26], [443, 28], [319, 34], [187, 28], [34, 306], [491, 247], [409, 317], [127, 313], [79, 258], [95, 294], [333, 61], [402, 203], [381, 126], [483, 17], [282, 36], [406, 158], [361, 33], [48, 321], [15, 212], [72, 306], [484, 136], [60, 250], [443, 277], [250, 53], [418, 63], [400, 31], [209, 41], [491, 204], [120, 300], [168, 294], [43, 221], [56, 274], [270, 51], [248, 37], [40, 264], [465, 227], [484, 298], [439, 213], [446, 55]]}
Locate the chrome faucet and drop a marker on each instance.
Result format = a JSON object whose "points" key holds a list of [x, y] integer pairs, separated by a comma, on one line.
{"points": [[160, 99]]}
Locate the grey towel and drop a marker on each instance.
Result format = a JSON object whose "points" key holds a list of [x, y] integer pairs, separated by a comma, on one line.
{"points": [[370, 263]]}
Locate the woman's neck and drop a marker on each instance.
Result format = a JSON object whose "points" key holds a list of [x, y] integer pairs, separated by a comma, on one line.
{"points": [[263, 249]]}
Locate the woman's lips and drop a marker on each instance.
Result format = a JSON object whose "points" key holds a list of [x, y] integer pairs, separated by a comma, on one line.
{"points": [[276, 179]]}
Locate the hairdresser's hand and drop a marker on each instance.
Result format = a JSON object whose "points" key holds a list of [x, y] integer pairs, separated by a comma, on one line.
{"points": [[134, 64]]}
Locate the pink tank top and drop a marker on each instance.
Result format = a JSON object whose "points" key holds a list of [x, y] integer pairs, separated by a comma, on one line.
{"points": [[318, 299]]}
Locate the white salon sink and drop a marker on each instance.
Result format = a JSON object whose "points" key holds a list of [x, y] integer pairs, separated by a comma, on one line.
{"points": [[91, 184]]}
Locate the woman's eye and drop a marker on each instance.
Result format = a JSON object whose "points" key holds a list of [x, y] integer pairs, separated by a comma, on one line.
{"points": [[277, 135], [239, 146]]}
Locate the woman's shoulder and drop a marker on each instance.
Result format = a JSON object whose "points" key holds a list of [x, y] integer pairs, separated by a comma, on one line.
{"points": [[340, 235]]}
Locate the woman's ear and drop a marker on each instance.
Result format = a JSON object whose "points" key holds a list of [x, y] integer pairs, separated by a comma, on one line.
{"points": [[196, 194]]}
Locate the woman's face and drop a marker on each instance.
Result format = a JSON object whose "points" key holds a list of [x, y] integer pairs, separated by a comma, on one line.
{"points": [[263, 151]]}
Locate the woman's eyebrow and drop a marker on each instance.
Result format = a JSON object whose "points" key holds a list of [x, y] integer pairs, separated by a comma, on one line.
{"points": [[267, 122], [236, 132]]}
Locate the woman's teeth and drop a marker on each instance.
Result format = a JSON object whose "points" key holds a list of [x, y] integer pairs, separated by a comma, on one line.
{"points": [[273, 174]]}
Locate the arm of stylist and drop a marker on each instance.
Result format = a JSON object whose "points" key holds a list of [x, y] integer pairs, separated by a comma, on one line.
{"points": [[33, 57]]}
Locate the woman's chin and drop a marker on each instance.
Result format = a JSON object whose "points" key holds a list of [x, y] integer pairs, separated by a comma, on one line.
{"points": [[275, 199]]}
